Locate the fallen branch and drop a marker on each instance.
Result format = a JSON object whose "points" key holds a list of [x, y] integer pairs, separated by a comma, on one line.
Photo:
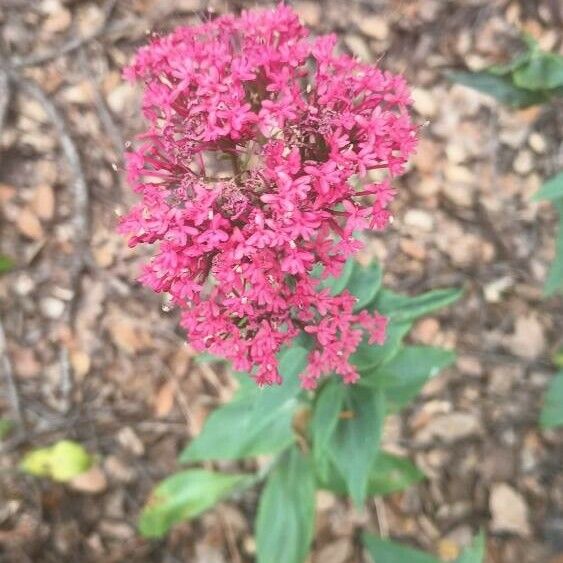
{"points": [[11, 385], [68, 47], [78, 185], [5, 94]]}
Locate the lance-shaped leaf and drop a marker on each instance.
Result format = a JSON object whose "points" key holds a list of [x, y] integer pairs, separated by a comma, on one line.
{"points": [[552, 411], [183, 496], [286, 513], [386, 551], [554, 280], [369, 356], [402, 308], [389, 474], [257, 421], [499, 87], [355, 441], [552, 188], [364, 284]]}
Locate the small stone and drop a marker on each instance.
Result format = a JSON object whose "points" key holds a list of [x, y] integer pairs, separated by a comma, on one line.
{"points": [[459, 194], [469, 365], [335, 552], [130, 441], [29, 225], [309, 12], [426, 330], [58, 21], [52, 308], [523, 163], [413, 249], [528, 340], [494, 291], [118, 470], [537, 143], [43, 203], [80, 362], [509, 511], [92, 482], [449, 428], [419, 219], [424, 102], [358, 47], [374, 27]]}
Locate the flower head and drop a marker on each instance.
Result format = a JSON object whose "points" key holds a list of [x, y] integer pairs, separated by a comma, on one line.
{"points": [[250, 176]]}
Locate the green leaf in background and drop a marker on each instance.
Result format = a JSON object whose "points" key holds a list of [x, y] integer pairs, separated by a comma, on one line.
{"points": [[554, 280], [501, 88], [543, 71], [6, 426], [389, 474], [286, 513], [369, 356], [364, 284], [475, 553], [337, 285], [183, 496], [257, 421], [557, 358], [551, 189], [61, 462], [270, 400], [552, 411], [412, 365], [392, 473], [326, 411], [6, 264], [402, 308], [386, 551], [354, 444]]}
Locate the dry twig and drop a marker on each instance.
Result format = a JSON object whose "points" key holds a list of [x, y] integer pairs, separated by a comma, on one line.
{"points": [[11, 385], [4, 95], [68, 47], [78, 185]]}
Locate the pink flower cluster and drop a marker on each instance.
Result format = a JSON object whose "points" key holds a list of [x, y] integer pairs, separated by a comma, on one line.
{"points": [[253, 173]]}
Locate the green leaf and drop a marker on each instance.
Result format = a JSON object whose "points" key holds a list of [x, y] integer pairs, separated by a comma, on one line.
{"points": [[392, 473], [386, 551], [552, 411], [369, 356], [543, 71], [227, 434], [557, 358], [61, 462], [499, 87], [337, 285], [354, 444], [270, 401], [6, 426], [403, 308], [364, 284], [183, 496], [388, 474], [554, 280], [256, 422], [551, 189], [326, 410], [6, 264], [286, 513], [475, 553], [412, 365]]}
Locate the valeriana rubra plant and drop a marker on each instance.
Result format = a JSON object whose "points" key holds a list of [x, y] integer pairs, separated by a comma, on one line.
{"points": [[266, 155]]}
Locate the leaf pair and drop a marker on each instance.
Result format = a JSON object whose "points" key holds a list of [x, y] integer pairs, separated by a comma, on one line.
{"points": [[530, 79]]}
